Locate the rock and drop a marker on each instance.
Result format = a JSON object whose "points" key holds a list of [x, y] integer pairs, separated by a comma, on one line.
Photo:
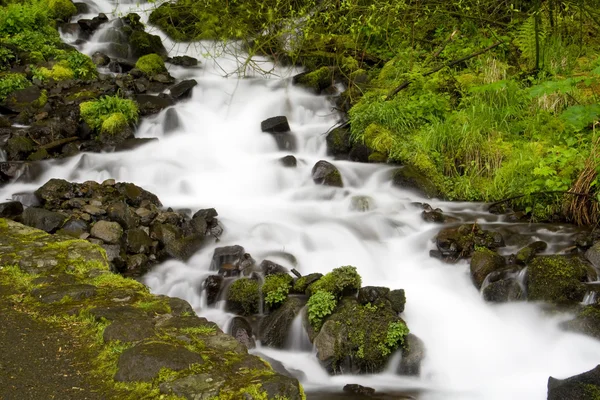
{"points": [[53, 192], [413, 354], [184, 248], [183, 61], [270, 268], [556, 279], [303, 284], [281, 386], [117, 313], [28, 199], [527, 253], [54, 294], [275, 125], [45, 220], [100, 59], [180, 306], [361, 203], [586, 322], [373, 295], [359, 390], [135, 195], [137, 241], [11, 209], [213, 285], [242, 331], [397, 298], [22, 100], [123, 214], [325, 173], [281, 369], [192, 387], [137, 264], [411, 179], [75, 228], [144, 361], [82, 8], [150, 104], [317, 81], [227, 259], [484, 262], [275, 327], [338, 141], [243, 297], [593, 255], [142, 43], [502, 291], [585, 386], [120, 65], [288, 161], [183, 89], [435, 216], [110, 232], [171, 121], [128, 330], [19, 148], [455, 243]]}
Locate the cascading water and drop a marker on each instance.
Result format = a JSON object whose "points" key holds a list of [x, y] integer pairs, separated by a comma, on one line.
{"points": [[218, 157]]}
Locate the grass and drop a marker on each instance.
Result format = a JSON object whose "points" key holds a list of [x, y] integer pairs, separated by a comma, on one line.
{"points": [[96, 113]]}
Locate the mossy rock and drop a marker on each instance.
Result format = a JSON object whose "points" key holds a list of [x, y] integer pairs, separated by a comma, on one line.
{"points": [[275, 327], [325, 173], [243, 297], [317, 80], [151, 64], [142, 43], [586, 322], [461, 242], [338, 141], [484, 262], [585, 386], [557, 279], [412, 179], [303, 283], [342, 281]]}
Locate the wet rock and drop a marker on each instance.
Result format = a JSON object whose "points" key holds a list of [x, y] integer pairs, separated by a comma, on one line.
{"points": [[585, 386], [142, 43], [527, 253], [411, 179], [227, 260], [275, 327], [45, 220], [281, 369], [22, 100], [302, 284], [109, 232], [28, 199], [373, 295], [317, 81], [454, 243], [120, 65], [123, 214], [325, 173], [242, 331], [137, 264], [54, 294], [183, 89], [53, 192], [243, 297], [359, 390], [171, 121], [137, 241], [90, 25], [435, 216], [275, 125], [75, 228], [82, 8], [502, 291], [270, 268], [484, 262], [150, 104], [338, 141], [128, 330], [213, 285], [135, 195], [183, 61], [100, 59], [359, 153], [397, 299], [556, 279], [288, 161], [144, 361], [593, 255], [413, 354], [11, 209], [587, 321], [206, 385]]}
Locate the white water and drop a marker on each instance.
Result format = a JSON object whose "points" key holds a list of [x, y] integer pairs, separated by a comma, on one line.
{"points": [[220, 158]]}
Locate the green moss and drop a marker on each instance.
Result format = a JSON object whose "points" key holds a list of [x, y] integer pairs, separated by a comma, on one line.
{"points": [[82, 65], [154, 306], [59, 72], [317, 80], [245, 295], [320, 305], [114, 124], [276, 288], [62, 10], [95, 113], [151, 64], [11, 82], [339, 282], [556, 279], [200, 330]]}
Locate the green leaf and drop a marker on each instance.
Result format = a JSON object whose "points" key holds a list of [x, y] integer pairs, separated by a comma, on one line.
{"points": [[580, 117]]}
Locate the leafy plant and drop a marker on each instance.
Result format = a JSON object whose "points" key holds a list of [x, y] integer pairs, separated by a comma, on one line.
{"points": [[338, 281], [11, 82], [320, 305], [82, 66], [95, 113], [276, 288]]}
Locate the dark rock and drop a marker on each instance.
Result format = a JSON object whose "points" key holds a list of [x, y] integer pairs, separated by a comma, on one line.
{"points": [[117, 312], [593, 255], [82, 8], [398, 299], [186, 322], [413, 354], [75, 228], [142, 43], [135, 195], [411, 179], [359, 153], [120, 65], [11, 209], [325, 173], [28, 199], [455, 243], [180, 306], [109, 232], [213, 285], [54, 294], [359, 390], [227, 259], [338, 141], [53, 192], [100, 59], [150, 104], [123, 214], [183, 89], [184, 248], [144, 361], [502, 291], [19, 148], [183, 61], [270, 268], [137, 241], [22, 100], [45, 220], [129, 330], [586, 322], [556, 279], [275, 125], [285, 141], [373, 295], [242, 331], [317, 81], [483, 263], [585, 386], [288, 161], [137, 264], [433, 216], [281, 369], [275, 327], [171, 121], [527, 253], [282, 386], [303, 284]]}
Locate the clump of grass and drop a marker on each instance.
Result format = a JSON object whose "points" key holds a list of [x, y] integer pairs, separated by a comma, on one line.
{"points": [[95, 113]]}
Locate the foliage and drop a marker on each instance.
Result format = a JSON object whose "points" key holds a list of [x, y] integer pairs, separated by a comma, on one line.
{"points": [[342, 280], [82, 65], [276, 288], [114, 124], [245, 292], [11, 82], [18, 18], [320, 305], [61, 10], [95, 113], [396, 333], [151, 64]]}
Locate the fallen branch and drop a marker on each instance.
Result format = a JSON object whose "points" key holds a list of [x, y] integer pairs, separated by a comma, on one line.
{"points": [[405, 84], [58, 143]]}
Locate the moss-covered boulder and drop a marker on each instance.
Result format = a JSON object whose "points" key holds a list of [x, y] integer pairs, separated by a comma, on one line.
{"points": [[585, 386], [275, 289], [461, 242], [338, 141], [484, 262], [325, 173], [302, 284], [275, 327], [410, 178], [587, 321], [503, 290], [557, 279], [527, 253], [62, 10], [243, 297], [316, 81], [151, 64]]}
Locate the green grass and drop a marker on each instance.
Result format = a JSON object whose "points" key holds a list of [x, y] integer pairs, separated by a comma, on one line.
{"points": [[95, 113]]}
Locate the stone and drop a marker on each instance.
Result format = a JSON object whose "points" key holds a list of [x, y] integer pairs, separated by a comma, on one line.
{"points": [[53, 192], [183, 89], [227, 259], [54, 294], [136, 264], [100, 59], [361, 203], [397, 299], [557, 279], [410, 178], [213, 285], [117, 312], [137, 241], [585, 386], [483, 263], [373, 295], [22, 100], [144, 361], [242, 331], [195, 387], [502, 291], [593, 255], [128, 330], [288, 161], [171, 121], [358, 389], [123, 214], [527, 253], [75, 228], [243, 297], [11, 209], [338, 141], [413, 354], [109, 232], [325, 173], [586, 322], [151, 104], [48, 221], [317, 81], [275, 125], [183, 61], [275, 327]]}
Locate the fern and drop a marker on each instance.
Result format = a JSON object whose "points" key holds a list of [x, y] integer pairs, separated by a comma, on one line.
{"points": [[526, 37]]}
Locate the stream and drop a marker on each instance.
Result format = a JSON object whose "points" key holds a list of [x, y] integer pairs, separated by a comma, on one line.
{"points": [[218, 157]]}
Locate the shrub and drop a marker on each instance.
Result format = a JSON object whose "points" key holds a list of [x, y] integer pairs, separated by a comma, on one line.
{"points": [[59, 72], [95, 113], [320, 305], [151, 64], [11, 82], [276, 288], [62, 10], [83, 67]]}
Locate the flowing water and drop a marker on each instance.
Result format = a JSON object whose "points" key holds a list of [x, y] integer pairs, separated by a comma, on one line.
{"points": [[218, 157]]}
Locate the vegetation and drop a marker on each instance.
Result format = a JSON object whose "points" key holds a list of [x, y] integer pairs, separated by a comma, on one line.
{"points": [[11, 82], [244, 293], [340, 281], [320, 305], [276, 288], [109, 113], [151, 64]]}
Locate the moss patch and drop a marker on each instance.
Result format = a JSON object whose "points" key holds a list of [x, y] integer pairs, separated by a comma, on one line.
{"points": [[151, 64], [556, 279]]}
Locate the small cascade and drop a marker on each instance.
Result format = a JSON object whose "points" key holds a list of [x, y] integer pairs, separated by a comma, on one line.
{"points": [[521, 279], [590, 298], [297, 339]]}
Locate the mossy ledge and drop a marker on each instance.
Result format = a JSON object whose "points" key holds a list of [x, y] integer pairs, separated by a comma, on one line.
{"points": [[142, 345]]}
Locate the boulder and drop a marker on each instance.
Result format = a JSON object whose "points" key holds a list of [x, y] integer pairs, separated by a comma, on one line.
{"points": [[484, 262], [413, 354], [325, 173], [183, 61], [23, 100], [586, 322], [129, 330], [270, 268], [585, 386], [183, 89], [275, 125], [527, 253], [171, 121], [373, 295], [123, 214], [137, 241], [48, 221], [275, 327], [55, 293], [316, 81], [455, 243], [213, 285], [503, 290], [100, 59], [288, 161], [338, 141], [144, 361], [397, 298], [362, 391], [150, 104], [410, 178], [227, 260], [11, 209], [242, 331], [593, 255], [302, 284], [109, 232], [556, 279]]}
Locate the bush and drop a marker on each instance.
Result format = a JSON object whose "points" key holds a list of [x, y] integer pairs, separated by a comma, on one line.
{"points": [[18, 18], [320, 305], [62, 10], [11, 82], [151, 64], [276, 288], [95, 113], [59, 72]]}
